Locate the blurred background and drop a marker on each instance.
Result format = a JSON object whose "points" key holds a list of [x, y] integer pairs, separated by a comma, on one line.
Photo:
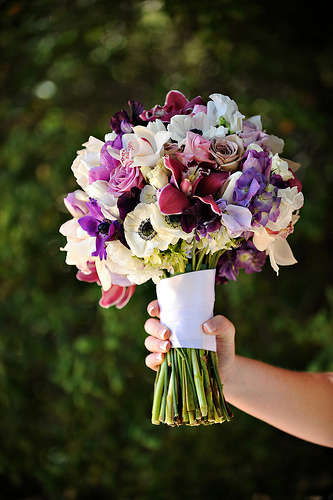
{"points": [[75, 395]]}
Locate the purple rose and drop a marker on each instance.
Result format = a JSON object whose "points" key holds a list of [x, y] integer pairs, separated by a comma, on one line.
{"points": [[228, 152], [123, 178]]}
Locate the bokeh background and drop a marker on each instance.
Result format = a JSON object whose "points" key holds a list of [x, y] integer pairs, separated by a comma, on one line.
{"points": [[75, 395]]}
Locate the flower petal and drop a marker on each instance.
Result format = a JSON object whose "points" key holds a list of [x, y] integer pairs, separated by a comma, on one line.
{"points": [[172, 201]]}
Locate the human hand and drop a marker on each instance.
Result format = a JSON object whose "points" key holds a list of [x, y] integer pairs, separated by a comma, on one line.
{"points": [[158, 342]]}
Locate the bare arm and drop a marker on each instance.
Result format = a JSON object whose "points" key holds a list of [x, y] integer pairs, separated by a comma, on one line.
{"points": [[298, 403]]}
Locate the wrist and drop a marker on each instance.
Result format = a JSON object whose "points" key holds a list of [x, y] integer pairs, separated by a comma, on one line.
{"points": [[230, 378]]}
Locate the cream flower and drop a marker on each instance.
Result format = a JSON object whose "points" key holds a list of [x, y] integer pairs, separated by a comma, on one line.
{"points": [[215, 241], [79, 245], [228, 187], [148, 194], [158, 176], [86, 159], [147, 273], [142, 235]]}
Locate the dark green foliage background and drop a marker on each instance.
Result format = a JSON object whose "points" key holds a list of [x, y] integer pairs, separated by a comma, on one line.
{"points": [[75, 395]]}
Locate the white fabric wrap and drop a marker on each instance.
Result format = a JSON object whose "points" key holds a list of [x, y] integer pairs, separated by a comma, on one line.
{"points": [[186, 301]]}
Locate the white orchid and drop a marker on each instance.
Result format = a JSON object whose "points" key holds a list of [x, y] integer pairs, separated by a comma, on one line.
{"points": [[141, 148]]}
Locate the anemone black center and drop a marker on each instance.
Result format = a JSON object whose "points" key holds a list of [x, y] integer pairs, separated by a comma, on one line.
{"points": [[173, 220], [103, 227], [196, 131], [146, 230]]}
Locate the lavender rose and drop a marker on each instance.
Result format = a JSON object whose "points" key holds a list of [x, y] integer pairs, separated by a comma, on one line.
{"points": [[228, 152], [123, 178]]}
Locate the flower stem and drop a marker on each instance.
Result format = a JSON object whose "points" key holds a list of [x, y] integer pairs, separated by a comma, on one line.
{"points": [[159, 384]]}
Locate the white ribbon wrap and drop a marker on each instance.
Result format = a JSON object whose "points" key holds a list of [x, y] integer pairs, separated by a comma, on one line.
{"points": [[186, 301]]}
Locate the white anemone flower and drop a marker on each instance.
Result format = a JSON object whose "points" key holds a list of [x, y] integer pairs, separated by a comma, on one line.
{"points": [[181, 124], [170, 225], [142, 235], [142, 148], [221, 106]]}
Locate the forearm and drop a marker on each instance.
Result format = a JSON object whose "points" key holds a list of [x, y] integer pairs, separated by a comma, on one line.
{"points": [[300, 404]]}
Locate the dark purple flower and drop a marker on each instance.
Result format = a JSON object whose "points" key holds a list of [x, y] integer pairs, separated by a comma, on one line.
{"points": [[128, 201], [226, 268], [96, 225], [201, 217], [121, 123], [249, 258]]}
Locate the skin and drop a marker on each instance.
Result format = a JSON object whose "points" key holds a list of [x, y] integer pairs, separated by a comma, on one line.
{"points": [[298, 403]]}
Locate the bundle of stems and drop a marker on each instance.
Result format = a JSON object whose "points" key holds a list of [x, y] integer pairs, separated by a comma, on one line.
{"points": [[188, 389]]}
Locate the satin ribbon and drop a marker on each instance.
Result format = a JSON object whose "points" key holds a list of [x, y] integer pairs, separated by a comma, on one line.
{"points": [[186, 301]]}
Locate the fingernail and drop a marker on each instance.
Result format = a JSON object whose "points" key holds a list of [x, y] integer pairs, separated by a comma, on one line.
{"points": [[164, 345], [159, 356], [210, 326], [163, 333], [151, 310]]}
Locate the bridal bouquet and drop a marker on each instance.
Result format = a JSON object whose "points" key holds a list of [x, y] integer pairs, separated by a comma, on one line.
{"points": [[186, 194]]}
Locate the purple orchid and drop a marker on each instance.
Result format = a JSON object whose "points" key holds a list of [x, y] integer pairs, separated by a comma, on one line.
{"points": [[191, 195], [96, 225]]}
